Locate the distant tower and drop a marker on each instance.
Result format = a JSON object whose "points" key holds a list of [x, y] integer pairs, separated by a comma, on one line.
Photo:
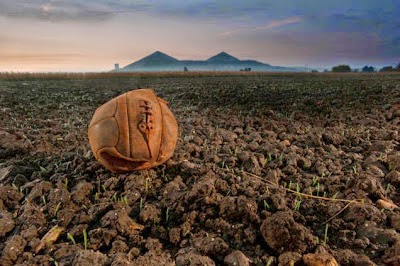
{"points": [[116, 66]]}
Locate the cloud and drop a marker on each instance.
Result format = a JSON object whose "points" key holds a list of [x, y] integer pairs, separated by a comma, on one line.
{"points": [[63, 10], [269, 26], [37, 57], [279, 23]]}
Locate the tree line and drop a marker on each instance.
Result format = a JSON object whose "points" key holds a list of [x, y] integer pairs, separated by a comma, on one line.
{"points": [[347, 68]]}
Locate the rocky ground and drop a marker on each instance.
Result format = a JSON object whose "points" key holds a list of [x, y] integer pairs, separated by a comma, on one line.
{"points": [[254, 154]]}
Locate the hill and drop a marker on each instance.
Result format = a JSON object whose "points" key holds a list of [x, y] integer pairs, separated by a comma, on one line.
{"points": [[223, 61]]}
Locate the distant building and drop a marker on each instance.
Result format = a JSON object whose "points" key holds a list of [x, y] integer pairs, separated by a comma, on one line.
{"points": [[116, 66]]}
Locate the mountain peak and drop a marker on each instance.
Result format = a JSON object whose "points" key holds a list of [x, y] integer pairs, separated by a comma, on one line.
{"points": [[223, 57], [159, 56]]}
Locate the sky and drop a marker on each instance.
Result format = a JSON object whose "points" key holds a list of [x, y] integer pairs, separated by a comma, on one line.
{"points": [[92, 35]]}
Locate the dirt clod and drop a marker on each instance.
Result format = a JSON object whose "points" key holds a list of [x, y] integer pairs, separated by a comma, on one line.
{"points": [[236, 258], [282, 233], [6, 223], [90, 258]]}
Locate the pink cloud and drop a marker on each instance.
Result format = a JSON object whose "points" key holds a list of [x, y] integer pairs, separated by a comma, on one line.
{"points": [[269, 26]]}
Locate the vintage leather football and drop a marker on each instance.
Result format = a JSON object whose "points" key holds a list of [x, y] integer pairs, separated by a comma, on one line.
{"points": [[133, 131]]}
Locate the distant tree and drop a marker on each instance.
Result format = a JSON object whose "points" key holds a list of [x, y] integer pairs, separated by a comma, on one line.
{"points": [[368, 69], [386, 69], [326, 70], [398, 67], [356, 70], [341, 68], [314, 71], [185, 69]]}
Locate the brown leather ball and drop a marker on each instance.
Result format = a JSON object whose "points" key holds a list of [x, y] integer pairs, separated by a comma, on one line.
{"points": [[133, 131]]}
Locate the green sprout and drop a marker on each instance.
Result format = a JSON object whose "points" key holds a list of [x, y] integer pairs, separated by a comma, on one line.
{"points": [[57, 209], [326, 234], [71, 237], [85, 238]]}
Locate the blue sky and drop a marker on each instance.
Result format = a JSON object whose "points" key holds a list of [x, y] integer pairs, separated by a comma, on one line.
{"points": [[77, 35]]}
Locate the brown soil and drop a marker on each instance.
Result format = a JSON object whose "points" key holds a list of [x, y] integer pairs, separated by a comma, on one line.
{"points": [[335, 136]]}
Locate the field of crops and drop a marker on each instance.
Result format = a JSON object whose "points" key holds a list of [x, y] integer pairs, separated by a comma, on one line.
{"points": [[269, 169]]}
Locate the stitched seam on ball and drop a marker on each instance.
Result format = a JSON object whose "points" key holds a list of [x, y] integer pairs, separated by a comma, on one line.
{"points": [[129, 125], [116, 121], [162, 127]]}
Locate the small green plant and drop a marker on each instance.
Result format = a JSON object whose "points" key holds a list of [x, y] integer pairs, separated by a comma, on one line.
{"points": [[44, 200], [326, 234], [124, 199], [164, 175], [147, 185], [297, 205], [186, 232], [355, 169], [269, 156], [141, 204], [235, 152], [387, 190], [114, 197], [264, 162], [85, 239], [315, 180], [54, 261], [18, 189], [298, 188], [71, 237], [270, 261], [57, 209], [267, 192], [167, 215], [266, 205], [15, 187]]}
